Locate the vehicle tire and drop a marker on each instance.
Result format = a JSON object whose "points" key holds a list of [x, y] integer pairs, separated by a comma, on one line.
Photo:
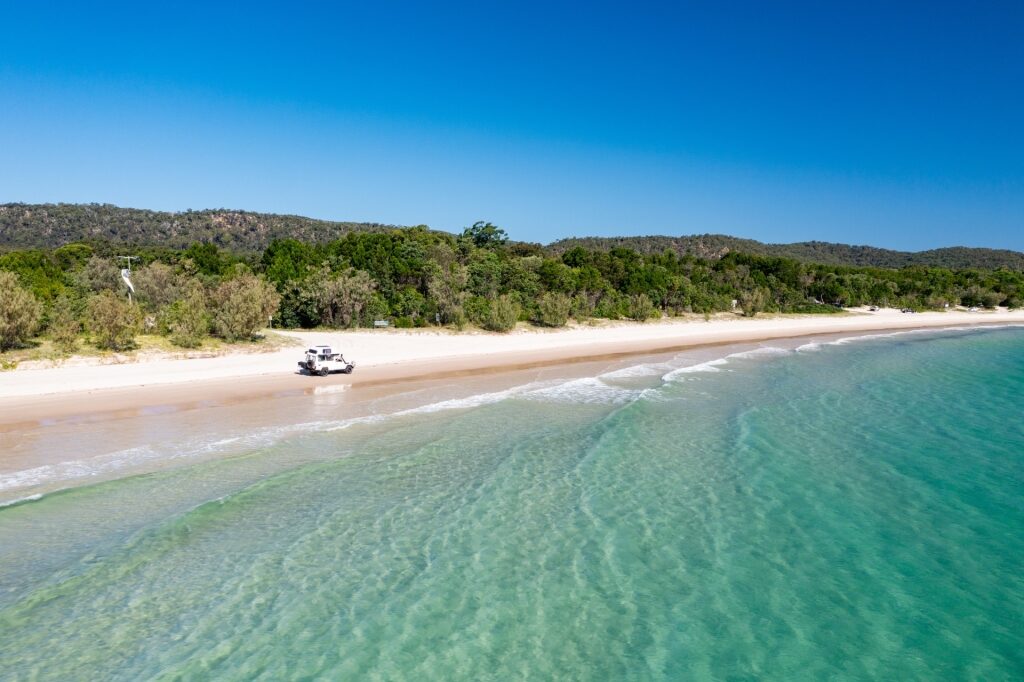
{"points": [[324, 371], [348, 370]]}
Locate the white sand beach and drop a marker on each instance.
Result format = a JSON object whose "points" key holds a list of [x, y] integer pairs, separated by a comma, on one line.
{"points": [[81, 386]]}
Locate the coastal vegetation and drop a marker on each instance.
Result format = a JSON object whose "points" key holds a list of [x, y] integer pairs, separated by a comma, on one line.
{"points": [[416, 277]]}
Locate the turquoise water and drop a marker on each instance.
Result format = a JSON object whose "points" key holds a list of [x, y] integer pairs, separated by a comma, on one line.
{"points": [[844, 511]]}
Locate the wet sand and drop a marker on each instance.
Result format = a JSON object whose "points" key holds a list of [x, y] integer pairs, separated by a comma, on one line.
{"points": [[29, 396]]}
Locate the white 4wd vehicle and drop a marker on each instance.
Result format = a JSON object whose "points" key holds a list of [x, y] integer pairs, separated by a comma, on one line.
{"points": [[322, 360]]}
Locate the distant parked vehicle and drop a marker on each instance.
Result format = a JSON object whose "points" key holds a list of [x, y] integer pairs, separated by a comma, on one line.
{"points": [[906, 310], [873, 308], [321, 360]]}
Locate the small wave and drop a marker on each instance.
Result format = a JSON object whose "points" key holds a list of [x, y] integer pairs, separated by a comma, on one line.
{"points": [[818, 345], [590, 390], [21, 500], [638, 371], [78, 468], [585, 390], [86, 468], [714, 365], [467, 402], [763, 351], [708, 366]]}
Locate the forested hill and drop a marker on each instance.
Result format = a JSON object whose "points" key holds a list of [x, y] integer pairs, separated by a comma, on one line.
{"points": [[52, 225], [716, 245], [25, 226]]}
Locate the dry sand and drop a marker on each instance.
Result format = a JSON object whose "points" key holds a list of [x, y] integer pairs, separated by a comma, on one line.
{"points": [[390, 355]]}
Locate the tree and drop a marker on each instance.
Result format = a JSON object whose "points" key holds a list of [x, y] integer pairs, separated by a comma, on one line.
{"points": [[484, 274], [556, 276], [287, 259], [187, 319], [582, 308], [485, 235], [157, 285], [447, 286], [503, 315], [65, 326], [71, 256], [554, 309], [99, 274], [242, 306], [113, 321], [19, 312], [340, 298], [206, 257], [640, 308]]}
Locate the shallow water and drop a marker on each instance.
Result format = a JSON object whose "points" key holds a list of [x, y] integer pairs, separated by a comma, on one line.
{"points": [[846, 510]]}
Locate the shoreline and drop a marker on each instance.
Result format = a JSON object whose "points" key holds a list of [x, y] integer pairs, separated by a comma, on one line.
{"points": [[50, 443], [35, 396]]}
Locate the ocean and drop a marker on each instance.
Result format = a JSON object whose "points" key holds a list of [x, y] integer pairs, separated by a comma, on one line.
{"points": [[832, 509]]}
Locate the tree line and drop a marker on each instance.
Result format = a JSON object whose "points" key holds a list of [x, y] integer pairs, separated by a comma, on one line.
{"points": [[415, 277]]}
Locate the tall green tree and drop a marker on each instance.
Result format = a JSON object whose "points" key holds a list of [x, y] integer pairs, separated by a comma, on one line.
{"points": [[242, 306], [19, 312], [339, 298], [484, 235]]}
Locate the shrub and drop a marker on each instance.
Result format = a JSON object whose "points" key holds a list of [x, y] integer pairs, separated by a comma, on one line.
{"points": [[503, 315], [187, 319], [640, 308], [376, 308], [478, 309], [457, 317], [243, 305], [554, 309], [610, 306], [582, 308], [64, 325], [19, 312], [753, 301], [113, 321], [990, 299], [98, 274]]}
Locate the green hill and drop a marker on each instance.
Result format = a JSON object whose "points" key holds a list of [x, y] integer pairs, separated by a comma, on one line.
{"points": [[716, 245], [52, 225]]}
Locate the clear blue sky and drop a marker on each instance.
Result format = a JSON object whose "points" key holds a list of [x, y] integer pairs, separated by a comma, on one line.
{"points": [[886, 123]]}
